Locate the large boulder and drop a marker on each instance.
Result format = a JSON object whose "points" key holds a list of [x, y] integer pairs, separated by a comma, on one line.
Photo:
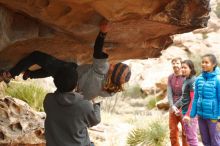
{"points": [[67, 28], [20, 124]]}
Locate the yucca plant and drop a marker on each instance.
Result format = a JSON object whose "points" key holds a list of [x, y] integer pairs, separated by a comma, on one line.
{"points": [[30, 93], [155, 134], [137, 136]]}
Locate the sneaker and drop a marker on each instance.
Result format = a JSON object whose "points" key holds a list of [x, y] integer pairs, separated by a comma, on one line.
{"points": [[6, 75], [26, 74]]}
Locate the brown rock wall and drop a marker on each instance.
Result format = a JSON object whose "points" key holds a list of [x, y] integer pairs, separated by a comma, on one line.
{"points": [[63, 27]]}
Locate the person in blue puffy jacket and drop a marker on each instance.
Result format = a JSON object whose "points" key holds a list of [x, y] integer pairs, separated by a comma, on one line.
{"points": [[206, 102]]}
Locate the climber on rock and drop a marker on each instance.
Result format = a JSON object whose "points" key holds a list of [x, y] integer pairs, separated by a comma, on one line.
{"points": [[97, 79]]}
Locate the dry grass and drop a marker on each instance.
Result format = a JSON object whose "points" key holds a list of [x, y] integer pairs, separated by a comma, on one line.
{"points": [[119, 116]]}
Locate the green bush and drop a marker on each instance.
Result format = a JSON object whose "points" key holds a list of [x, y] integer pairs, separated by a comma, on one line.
{"points": [[156, 134], [151, 103], [133, 92], [29, 93], [137, 136]]}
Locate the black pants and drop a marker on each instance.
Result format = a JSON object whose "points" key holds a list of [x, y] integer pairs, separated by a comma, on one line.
{"points": [[49, 64]]}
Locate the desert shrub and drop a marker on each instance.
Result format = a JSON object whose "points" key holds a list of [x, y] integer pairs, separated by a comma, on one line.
{"points": [[110, 103], [30, 93], [133, 91], [151, 103], [155, 134]]}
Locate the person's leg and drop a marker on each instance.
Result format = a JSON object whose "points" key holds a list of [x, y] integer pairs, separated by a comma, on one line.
{"points": [[184, 139], [191, 132], [40, 73], [173, 122], [214, 134], [44, 60], [204, 131]]}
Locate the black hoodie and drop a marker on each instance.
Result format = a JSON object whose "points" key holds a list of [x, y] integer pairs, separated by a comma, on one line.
{"points": [[68, 117]]}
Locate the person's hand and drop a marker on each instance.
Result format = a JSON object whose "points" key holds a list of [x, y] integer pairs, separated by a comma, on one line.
{"points": [[186, 119], [104, 27], [174, 109], [218, 126], [97, 100]]}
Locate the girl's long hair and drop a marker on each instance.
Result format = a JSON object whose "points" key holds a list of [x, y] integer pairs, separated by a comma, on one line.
{"points": [[110, 87]]}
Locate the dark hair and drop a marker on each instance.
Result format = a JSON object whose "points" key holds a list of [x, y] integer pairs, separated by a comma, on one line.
{"points": [[65, 79], [190, 64], [176, 59], [212, 58]]}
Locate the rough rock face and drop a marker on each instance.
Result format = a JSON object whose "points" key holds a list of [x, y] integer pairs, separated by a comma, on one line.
{"points": [[148, 73], [20, 124], [67, 28]]}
